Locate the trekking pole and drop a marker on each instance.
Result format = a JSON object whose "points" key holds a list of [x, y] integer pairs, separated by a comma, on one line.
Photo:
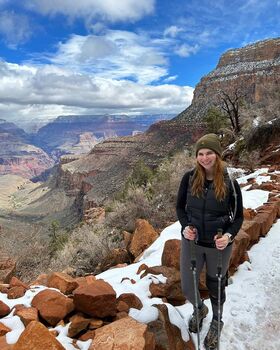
{"points": [[219, 275], [194, 272]]}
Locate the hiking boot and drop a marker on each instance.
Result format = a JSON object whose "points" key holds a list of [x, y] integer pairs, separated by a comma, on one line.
{"points": [[202, 313], [211, 339]]}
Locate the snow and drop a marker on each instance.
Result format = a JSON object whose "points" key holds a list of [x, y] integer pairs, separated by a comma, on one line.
{"points": [[251, 312], [254, 198], [256, 174]]}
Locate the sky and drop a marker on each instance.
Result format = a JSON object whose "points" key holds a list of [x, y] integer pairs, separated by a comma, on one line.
{"points": [[61, 57], [251, 311]]}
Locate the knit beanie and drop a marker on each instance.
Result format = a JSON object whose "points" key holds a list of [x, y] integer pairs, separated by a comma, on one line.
{"points": [[210, 141]]}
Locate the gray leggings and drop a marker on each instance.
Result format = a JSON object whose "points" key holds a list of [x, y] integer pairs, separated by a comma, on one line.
{"points": [[208, 256]]}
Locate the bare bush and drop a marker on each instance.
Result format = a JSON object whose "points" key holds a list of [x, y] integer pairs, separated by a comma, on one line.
{"points": [[155, 201], [136, 205], [30, 250], [87, 246]]}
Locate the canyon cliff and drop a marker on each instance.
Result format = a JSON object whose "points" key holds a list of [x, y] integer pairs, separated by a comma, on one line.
{"points": [[18, 156], [253, 71]]}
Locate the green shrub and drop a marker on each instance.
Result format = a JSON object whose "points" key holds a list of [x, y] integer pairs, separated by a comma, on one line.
{"points": [[215, 120]]}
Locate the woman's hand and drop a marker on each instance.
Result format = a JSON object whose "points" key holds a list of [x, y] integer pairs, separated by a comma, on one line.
{"points": [[190, 233], [221, 243]]}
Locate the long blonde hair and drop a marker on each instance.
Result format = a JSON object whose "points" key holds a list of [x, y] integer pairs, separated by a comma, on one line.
{"points": [[199, 177]]}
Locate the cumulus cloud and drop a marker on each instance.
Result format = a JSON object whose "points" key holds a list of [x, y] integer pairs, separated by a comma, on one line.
{"points": [[110, 10], [26, 90], [173, 31], [115, 54], [14, 28], [186, 50]]}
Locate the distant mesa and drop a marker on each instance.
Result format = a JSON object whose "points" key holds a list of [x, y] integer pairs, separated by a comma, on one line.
{"points": [[69, 134], [17, 155]]}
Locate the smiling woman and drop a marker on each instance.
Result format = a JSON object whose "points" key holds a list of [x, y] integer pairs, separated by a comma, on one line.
{"points": [[210, 217]]}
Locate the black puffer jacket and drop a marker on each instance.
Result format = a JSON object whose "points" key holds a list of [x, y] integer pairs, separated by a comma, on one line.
{"points": [[207, 214]]}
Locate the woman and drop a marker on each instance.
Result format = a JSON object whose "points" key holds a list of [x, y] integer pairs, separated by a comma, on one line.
{"points": [[208, 202]]}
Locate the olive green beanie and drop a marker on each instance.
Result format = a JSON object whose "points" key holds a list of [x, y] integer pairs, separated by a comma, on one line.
{"points": [[210, 141]]}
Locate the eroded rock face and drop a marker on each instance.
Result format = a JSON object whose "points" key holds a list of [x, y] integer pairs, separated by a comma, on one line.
{"points": [[18, 156], [253, 69]]}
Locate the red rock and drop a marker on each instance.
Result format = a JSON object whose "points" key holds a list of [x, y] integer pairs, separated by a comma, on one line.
{"points": [[85, 281], [4, 330], [122, 334], [97, 299], [7, 268], [171, 289], [52, 305], [27, 315], [87, 336], [117, 257], [4, 345], [65, 283], [95, 323], [240, 246], [167, 334], [141, 268], [252, 228], [143, 236], [249, 214], [37, 337], [121, 314], [265, 220], [4, 289], [127, 300], [4, 309], [171, 253], [122, 306], [41, 280], [16, 292], [15, 282], [78, 324]]}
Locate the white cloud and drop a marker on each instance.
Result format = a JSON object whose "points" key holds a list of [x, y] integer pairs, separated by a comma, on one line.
{"points": [[14, 28], [171, 78], [172, 31], [48, 91], [186, 50], [115, 54], [110, 10]]}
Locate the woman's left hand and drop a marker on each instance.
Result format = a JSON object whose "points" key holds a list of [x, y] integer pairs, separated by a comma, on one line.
{"points": [[221, 243]]}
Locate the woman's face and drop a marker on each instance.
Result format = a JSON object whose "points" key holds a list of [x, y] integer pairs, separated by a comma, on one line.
{"points": [[206, 158]]}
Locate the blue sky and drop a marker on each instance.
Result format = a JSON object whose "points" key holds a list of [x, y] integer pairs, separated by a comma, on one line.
{"points": [[128, 56]]}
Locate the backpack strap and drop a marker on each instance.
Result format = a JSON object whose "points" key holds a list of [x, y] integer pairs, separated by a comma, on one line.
{"points": [[234, 209]]}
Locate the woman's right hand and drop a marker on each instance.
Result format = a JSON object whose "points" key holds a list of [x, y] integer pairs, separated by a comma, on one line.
{"points": [[190, 233]]}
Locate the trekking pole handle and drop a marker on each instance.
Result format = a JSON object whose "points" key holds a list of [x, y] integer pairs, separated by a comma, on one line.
{"points": [[219, 233], [192, 247]]}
